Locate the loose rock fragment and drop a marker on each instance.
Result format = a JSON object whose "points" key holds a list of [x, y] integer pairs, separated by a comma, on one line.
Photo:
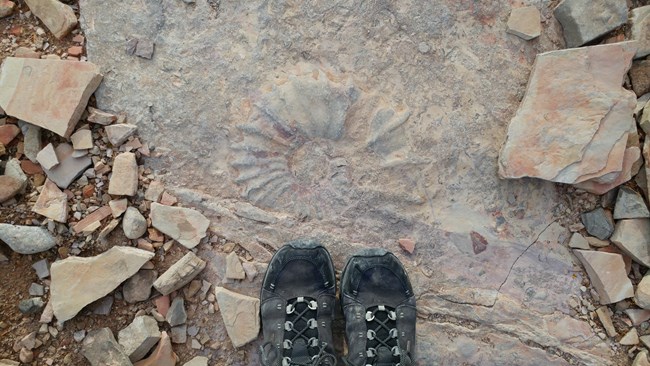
{"points": [[124, 180], [185, 225], [13, 169], [5, 362], [251, 270], [26, 239], [118, 133], [109, 270], [154, 191], [641, 29], [61, 90], [179, 334], [606, 320], [176, 314], [31, 306], [42, 269], [641, 359], [138, 287], [6, 8], [640, 77], [69, 168], [632, 237], [585, 20], [32, 140], [59, 18], [631, 338], [100, 117], [101, 349], [144, 49], [607, 274], [598, 223], [525, 23], [179, 274], [197, 361], [578, 242], [36, 290], [133, 223], [637, 316], [47, 157], [407, 245], [9, 187], [569, 85], [234, 269], [52, 203], [163, 355], [630, 205], [8, 133], [139, 337], [92, 221], [240, 315], [118, 207], [82, 140]]}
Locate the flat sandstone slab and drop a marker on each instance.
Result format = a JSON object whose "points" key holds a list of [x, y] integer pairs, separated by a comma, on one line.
{"points": [[48, 93], [573, 123]]}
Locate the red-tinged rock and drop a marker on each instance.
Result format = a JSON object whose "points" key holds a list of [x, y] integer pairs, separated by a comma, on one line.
{"points": [[626, 259], [88, 191], [8, 133], [163, 355], [168, 200], [407, 245], [607, 275], [75, 51], [9, 187], [30, 168], [60, 89], [145, 245], [155, 235], [162, 304], [16, 30], [79, 39], [640, 77], [94, 217], [25, 52], [52, 203], [6, 8]]}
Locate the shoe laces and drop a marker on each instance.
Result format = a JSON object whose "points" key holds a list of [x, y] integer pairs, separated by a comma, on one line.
{"points": [[381, 324], [300, 326]]}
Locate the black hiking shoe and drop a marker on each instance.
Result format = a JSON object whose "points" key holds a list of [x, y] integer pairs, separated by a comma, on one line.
{"points": [[297, 306], [379, 309]]}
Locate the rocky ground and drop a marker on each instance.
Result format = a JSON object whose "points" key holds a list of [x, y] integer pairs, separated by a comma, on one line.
{"points": [[499, 150]]}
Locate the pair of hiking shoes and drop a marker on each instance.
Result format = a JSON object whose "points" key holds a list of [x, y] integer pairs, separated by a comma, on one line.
{"points": [[297, 308]]}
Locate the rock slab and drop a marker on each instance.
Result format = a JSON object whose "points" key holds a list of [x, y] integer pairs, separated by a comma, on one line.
{"points": [[139, 337], [101, 349], [52, 203], [240, 314], [607, 274], [48, 93], [187, 226], [58, 17], [26, 239], [124, 181], [525, 23], [585, 20], [641, 29], [630, 205], [179, 274], [633, 237], [77, 282], [138, 287], [574, 121]]}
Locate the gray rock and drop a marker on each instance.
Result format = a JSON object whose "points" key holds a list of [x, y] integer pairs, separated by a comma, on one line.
{"points": [[68, 170], [633, 237], [176, 314], [138, 287], [179, 334], [640, 18], [139, 337], [630, 205], [193, 331], [102, 306], [144, 48], [26, 239], [578, 242], [32, 142], [36, 290], [133, 223], [585, 20], [101, 349], [31, 306], [5, 362], [79, 335], [117, 134], [606, 319], [598, 223], [179, 274], [642, 295], [234, 269], [607, 275]]}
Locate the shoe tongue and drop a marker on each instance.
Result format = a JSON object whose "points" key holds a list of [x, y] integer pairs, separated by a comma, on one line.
{"points": [[384, 356], [300, 353]]}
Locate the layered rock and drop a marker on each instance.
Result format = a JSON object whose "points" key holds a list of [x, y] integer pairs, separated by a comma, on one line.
{"points": [[48, 93], [185, 225], [585, 20], [179, 274], [101, 275], [240, 314], [607, 274], [575, 121]]}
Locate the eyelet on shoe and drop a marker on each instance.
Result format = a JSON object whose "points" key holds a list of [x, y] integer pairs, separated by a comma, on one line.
{"points": [[370, 316], [288, 326], [290, 309], [371, 352], [287, 344], [313, 342], [393, 333], [396, 351], [312, 323], [286, 361], [300, 299], [392, 315], [371, 334], [313, 305]]}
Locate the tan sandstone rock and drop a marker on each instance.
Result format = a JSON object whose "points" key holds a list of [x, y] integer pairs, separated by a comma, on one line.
{"points": [[607, 274], [48, 93], [240, 314], [52, 203], [573, 123], [124, 181], [525, 22], [632, 236], [179, 274], [77, 282], [641, 29], [185, 225], [58, 17]]}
